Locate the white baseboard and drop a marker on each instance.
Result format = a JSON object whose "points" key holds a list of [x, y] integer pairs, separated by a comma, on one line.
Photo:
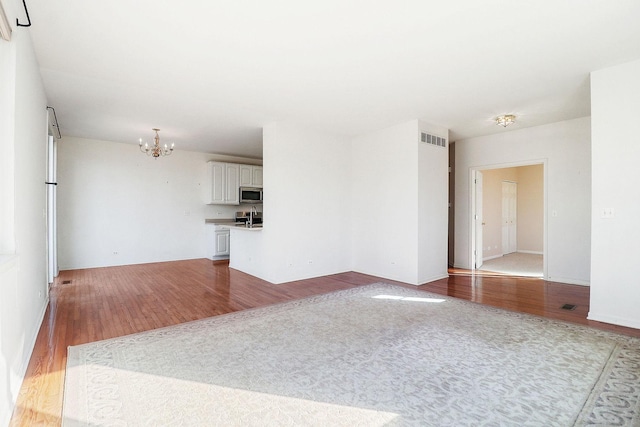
{"points": [[568, 281], [25, 361], [530, 252], [492, 257], [434, 278], [463, 267], [614, 320]]}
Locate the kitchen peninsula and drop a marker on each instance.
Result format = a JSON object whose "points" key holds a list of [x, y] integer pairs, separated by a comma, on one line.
{"points": [[219, 236], [247, 250]]}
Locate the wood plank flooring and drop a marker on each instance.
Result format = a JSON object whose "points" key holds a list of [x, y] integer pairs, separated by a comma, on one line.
{"points": [[104, 303]]}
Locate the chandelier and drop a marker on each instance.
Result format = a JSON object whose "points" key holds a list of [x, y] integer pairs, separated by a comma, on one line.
{"points": [[505, 120], [155, 150]]}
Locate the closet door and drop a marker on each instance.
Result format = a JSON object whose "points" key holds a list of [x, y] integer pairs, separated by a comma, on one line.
{"points": [[509, 217]]}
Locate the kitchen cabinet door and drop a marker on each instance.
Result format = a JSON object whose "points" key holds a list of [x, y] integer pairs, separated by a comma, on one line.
{"points": [[217, 179], [250, 176], [223, 184], [222, 243], [246, 175], [256, 178], [232, 184]]}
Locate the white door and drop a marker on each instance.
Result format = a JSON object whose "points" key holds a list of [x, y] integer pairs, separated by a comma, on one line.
{"points": [[509, 217], [478, 219]]}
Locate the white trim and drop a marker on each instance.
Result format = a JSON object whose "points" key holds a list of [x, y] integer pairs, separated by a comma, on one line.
{"points": [[568, 281], [492, 257], [530, 252], [614, 320], [433, 279], [25, 361]]}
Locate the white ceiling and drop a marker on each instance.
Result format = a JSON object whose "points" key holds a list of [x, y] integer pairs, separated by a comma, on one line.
{"points": [[210, 74]]}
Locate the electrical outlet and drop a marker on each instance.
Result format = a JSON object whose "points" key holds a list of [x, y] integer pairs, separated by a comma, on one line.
{"points": [[608, 213]]}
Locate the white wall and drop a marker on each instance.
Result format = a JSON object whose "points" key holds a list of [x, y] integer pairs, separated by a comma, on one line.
{"points": [[385, 202], [530, 208], [399, 204], [566, 149], [615, 108], [375, 204], [23, 280], [433, 213], [117, 206], [306, 207]]}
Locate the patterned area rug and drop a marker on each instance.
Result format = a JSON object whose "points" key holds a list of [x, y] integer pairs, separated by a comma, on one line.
{"points": [[378, 355]]}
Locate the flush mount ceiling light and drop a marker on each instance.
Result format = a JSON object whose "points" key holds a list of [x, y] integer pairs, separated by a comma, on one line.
{"points": [[505, 120], [155, 150]]}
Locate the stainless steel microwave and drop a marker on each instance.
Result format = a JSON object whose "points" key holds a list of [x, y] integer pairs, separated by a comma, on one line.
{"points": [[250, 195]]}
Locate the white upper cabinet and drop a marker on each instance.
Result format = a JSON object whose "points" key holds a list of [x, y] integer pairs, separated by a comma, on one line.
{"points": [[250, 176], [224, 183], [232, 185], [217, 178], [257, 176]]}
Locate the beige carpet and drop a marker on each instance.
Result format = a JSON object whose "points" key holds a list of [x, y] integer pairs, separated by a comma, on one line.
{"points": [[516, 264], [378, 355]]}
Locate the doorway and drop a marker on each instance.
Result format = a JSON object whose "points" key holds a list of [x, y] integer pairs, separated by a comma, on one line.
{"points": [[508, 219]]}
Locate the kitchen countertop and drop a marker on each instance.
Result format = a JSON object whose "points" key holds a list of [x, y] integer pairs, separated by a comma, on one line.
{"points": [[242, 226], [220, 221], [232, 223]]}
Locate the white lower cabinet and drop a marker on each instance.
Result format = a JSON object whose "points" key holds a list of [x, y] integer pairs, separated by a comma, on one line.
{"points": [[218, 242], [222, 242]]}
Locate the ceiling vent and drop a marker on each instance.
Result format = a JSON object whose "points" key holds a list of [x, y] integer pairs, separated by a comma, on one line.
{"points": [[433, 140]]}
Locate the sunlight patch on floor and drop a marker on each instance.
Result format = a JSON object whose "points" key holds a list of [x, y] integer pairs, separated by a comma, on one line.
{"points": [[140, 397]]}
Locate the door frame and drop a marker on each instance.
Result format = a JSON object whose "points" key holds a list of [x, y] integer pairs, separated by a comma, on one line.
{"points": [[472, 205]]}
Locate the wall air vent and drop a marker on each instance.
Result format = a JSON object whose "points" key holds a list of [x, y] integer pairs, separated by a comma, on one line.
{"points": [[433, 140]]}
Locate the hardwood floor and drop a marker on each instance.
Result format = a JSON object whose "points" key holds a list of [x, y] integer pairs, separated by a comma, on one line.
{"points": [[95, 304]]}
